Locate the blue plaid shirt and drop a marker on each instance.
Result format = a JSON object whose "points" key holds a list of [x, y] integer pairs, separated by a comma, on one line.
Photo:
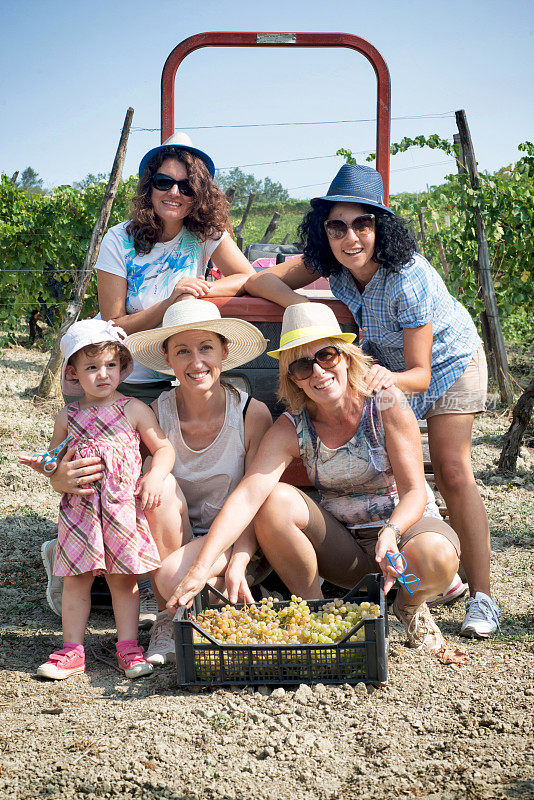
{"points": [[409, 299]]}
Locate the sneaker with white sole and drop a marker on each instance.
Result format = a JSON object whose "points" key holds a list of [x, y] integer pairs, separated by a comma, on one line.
{"points": [[481, 617], [456, 589], [54, 589], [131, 660], [62, 664], [421, 630], [148, 608], [161, 647]]}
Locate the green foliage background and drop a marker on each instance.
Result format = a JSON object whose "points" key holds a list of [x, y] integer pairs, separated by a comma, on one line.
{"points": [[54, 229]]}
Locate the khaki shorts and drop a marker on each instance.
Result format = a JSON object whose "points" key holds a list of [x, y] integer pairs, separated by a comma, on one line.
{"points": [[468, 394], [363, 547]]}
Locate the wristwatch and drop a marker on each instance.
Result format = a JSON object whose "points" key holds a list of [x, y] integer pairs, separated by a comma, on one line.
{"points": [[391, 525]]}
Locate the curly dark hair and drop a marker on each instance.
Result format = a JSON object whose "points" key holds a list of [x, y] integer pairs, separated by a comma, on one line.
{"points": [[395, 242], [209, 215]]}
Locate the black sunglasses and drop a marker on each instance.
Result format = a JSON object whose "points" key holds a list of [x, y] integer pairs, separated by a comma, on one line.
{"points": [[363, 225], [163, 183], [326, 357]]}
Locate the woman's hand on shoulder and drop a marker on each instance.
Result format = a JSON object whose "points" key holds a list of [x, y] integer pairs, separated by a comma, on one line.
{"points": [[379, 377]]}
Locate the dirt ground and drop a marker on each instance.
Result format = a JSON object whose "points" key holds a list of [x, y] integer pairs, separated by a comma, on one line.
{"points": [[433, 731]]}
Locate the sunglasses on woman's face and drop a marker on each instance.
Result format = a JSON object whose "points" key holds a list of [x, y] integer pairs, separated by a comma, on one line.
{"points": [[363, 225], [326, 357], [163, 183]]}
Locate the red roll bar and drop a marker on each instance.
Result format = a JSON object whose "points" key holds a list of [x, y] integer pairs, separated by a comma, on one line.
{"points": [[273, 39]]}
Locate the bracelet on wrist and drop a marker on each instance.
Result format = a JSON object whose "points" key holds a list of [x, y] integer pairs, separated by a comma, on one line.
{"points": [[394, 528]]}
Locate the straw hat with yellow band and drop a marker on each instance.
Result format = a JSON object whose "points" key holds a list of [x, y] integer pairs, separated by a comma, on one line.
{"points": [[308, 322]]}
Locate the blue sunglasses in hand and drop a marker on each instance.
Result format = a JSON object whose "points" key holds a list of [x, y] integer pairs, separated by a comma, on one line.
{"points": [[398, 562]]}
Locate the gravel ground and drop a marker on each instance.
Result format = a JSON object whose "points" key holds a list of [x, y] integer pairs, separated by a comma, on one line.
{"points": [[433, 731]]}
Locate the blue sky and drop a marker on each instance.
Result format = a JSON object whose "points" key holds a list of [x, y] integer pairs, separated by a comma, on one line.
{"points": [[69, 70]]}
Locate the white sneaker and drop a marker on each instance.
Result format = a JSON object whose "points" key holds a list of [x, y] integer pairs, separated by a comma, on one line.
{"points": [[456, 589], [54, 590], [161, 647], [481, 617], [148, 608]]}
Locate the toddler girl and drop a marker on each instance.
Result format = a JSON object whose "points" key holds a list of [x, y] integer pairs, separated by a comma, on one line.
{"points": [[105, 532]]}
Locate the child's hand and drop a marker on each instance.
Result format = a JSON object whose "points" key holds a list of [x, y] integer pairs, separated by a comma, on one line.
{"points": [[149, 489], [35, 462]]}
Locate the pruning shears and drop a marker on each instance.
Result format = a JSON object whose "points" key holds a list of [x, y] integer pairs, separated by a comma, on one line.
{"points": [[50, 458]]}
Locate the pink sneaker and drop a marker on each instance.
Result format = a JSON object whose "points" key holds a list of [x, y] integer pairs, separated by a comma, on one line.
{"points": [[131, 660], [456, 589], [62, 664]]}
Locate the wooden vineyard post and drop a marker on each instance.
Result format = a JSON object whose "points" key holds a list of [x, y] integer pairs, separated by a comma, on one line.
{"points": [[422, 225], [239, 228], [51, 371], [483, 268], [271, 227], [441, 251]]}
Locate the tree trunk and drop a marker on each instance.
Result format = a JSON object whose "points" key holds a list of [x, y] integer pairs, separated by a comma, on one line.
{"points": [[47, 386], [514, 435]]}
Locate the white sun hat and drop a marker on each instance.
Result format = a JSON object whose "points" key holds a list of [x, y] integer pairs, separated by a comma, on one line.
{"points": [[303, 323], [244, 341], [82, 333]]}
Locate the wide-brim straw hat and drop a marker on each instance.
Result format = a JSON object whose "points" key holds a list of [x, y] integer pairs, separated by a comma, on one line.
{"points": [[79, 335], [308, 322], [179, 141], [356, 183], [244, 341]]}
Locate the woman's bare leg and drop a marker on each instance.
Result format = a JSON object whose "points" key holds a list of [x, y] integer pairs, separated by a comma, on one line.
{"points": [[169, 525], [449, 438], [299, 551], [177, 564], [434, 560]]}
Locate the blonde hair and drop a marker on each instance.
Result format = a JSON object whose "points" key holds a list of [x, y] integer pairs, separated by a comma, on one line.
{"points": [[295, 398]]}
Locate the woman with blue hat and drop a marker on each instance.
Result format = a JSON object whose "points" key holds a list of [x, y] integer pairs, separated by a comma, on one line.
{"points": [[179, 220], [422, 339]]}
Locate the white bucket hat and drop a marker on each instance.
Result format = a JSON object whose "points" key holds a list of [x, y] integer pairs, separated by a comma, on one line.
{"points": [[308, 322], [80, 334], [244, 341]]}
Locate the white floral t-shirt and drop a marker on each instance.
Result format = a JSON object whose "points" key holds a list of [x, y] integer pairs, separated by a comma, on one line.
{"points": [[152, 277]]}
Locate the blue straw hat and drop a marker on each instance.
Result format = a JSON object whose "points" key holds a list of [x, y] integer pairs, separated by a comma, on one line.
{"points": [[178, 141], [356, 183]]}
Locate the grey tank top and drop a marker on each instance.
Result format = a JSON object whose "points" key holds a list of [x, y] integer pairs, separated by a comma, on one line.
{"points": [[355, 481], [208, 476]]}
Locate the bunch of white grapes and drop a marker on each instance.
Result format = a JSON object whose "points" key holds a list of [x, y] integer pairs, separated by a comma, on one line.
{"points": [[294, 624]]}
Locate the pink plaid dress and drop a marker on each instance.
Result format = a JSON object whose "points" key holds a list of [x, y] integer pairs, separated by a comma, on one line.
{"points": [[106, 531]]}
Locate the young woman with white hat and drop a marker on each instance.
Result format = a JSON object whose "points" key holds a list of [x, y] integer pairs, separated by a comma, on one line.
{"points": [[362, 451], [422, 339], [215, 430]]}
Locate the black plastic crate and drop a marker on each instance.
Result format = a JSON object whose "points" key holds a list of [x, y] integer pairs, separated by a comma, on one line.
{"points": [[215, 664]]}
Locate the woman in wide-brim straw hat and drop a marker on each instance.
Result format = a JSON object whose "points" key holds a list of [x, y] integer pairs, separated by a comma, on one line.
{"points": [[362, 451], [422, 339], [215, 430]]}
